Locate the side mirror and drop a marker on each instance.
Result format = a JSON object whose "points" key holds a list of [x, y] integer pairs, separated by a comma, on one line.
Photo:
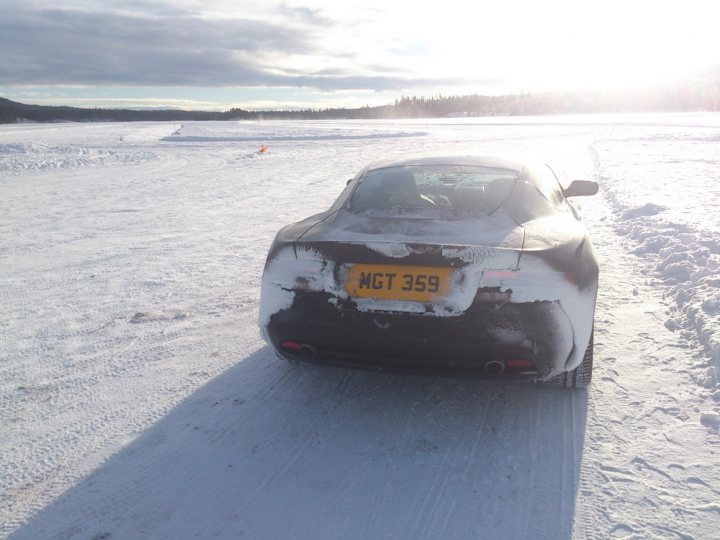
{"points": [[348, 182], [581, 188]]}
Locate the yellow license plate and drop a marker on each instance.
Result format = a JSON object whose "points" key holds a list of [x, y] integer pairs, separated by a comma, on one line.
{"points": [[397, 282]]}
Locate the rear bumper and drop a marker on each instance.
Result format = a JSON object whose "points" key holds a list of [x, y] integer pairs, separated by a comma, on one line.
{"points": [[526, 337]]}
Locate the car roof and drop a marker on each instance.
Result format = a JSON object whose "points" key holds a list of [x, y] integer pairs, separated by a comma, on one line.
{"points": [[502, 162]]}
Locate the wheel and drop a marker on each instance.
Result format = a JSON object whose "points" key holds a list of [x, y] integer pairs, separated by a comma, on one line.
{"points": [[579, 377]]}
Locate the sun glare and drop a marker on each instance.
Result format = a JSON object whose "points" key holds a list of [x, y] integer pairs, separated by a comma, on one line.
{"points": [[549, 45]]}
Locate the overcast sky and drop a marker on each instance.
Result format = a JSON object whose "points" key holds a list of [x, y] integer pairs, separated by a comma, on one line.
{"points": [[216, 54]]}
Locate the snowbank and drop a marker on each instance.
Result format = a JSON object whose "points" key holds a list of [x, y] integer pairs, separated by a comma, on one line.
{"points": [[684, 257], [688, 263]]}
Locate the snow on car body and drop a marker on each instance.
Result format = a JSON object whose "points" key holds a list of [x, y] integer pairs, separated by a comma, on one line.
{"points": [[462, 264]]}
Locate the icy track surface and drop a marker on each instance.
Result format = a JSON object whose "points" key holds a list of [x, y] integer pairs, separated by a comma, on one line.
{"points": [[138, 402]]}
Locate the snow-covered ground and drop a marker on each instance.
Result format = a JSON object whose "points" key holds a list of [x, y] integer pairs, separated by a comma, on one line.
{"points": [[138, 401]]}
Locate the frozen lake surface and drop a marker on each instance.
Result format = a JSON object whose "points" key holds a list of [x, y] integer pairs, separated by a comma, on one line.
{"points": [[137, 400]]}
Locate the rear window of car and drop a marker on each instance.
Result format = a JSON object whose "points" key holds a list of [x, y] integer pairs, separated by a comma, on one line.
{"points": [[433, 191]]}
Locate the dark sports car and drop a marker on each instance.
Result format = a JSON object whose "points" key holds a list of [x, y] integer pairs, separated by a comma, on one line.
{"points": [[465, 265]]}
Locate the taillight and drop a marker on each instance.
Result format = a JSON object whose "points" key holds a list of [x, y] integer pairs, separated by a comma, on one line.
{"points": [[309, 275], [499, 274], [518, 363]]}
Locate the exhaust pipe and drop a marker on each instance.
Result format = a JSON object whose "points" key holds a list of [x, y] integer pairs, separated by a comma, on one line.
{"points": [[494, 368], [308, 351]]}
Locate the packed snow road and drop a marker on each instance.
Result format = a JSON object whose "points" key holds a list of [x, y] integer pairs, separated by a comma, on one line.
{"points": [[137, 400]]}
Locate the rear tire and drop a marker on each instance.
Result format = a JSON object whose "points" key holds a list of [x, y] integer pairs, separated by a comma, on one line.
{"points": [[579, 377]]}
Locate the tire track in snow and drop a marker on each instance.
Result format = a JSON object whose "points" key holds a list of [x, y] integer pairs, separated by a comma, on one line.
{"points": [[471, 456], [432, 502], [288, 463], [397, 413]]}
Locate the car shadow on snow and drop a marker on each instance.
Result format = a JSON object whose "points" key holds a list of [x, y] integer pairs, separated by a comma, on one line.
{"points": [[270, 450]]}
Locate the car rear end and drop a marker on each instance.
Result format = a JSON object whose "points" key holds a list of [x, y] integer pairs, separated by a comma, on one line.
{"points": [[436, 308]]}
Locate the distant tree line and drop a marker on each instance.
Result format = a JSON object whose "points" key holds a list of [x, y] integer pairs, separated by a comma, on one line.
{"points": [[692, 96], [671, 98], [11, 112]]}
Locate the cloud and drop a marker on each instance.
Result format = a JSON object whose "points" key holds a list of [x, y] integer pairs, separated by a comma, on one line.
{"points": [[78, 47], [304, 14], [175, 47]]}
